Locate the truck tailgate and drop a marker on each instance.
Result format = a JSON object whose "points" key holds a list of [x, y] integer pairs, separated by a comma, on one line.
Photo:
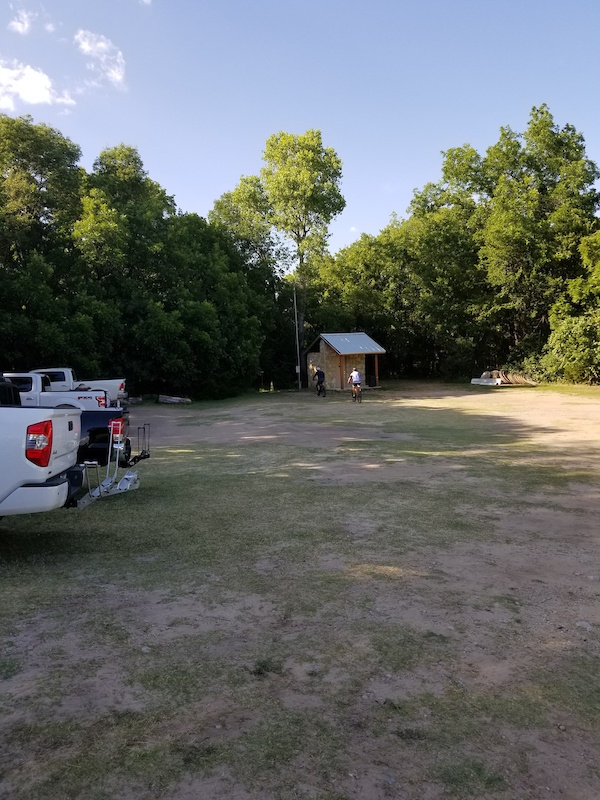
{"points": [[16, 469], [66, 435]]}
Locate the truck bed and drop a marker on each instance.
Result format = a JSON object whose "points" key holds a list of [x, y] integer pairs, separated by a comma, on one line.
{"points": [[95, 434]]}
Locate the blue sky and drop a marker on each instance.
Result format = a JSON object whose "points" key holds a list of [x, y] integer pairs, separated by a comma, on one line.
{"points": [[197, 86]]}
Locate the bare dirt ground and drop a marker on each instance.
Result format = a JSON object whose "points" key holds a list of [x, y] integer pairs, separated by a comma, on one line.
{"points": [[484, 570], [549, 562]]}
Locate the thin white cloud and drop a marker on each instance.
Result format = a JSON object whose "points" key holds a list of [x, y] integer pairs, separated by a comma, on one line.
{"points": [[22, 22], [49, 27], [146, 2], [31, 86], [103, 57]]}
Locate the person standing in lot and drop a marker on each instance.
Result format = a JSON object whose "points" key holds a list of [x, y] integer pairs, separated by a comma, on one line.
{"points": [[355, 379], [319, 377]]}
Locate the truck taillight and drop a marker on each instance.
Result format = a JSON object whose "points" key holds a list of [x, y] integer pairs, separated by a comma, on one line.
{"points": [[117, 428], [101, 400], [38, 447]]}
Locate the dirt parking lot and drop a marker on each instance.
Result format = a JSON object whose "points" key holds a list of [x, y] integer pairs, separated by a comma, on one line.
{"points": [[315, 599]]}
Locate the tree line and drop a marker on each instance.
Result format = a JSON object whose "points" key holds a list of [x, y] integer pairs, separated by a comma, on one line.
{"points": [[495, 265]]}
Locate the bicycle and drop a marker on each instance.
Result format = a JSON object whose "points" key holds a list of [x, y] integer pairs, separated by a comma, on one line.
{"points": [[356, 393], [320, 390]]}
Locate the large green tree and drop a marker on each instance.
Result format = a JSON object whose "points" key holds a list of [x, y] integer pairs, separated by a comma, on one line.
{"points": [[210, 296], [541, 202], [284, 213], [572, 352], [301, 180], [39, 201]]}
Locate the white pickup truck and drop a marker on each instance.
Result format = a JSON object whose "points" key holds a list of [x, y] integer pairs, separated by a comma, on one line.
{"points": [[48, 453], [39, 447], [63, 379], [35, 390]]}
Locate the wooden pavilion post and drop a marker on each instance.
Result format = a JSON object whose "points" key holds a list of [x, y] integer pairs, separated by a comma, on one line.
{"points": [[376, 369]]}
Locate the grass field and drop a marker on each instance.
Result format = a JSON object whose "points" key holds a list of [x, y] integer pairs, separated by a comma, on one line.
{"points": [[308, 598]]}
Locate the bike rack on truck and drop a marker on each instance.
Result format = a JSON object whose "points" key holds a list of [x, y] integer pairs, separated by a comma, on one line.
{"points": [[111, 484]]}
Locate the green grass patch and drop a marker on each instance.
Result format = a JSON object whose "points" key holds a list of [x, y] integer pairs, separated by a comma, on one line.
{"points": [[461, 715], [470, 778], [9, 667], [572, 686], [401, 648]]}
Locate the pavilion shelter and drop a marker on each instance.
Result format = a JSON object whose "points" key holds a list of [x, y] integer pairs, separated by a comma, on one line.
{"points": [[339, 353]]}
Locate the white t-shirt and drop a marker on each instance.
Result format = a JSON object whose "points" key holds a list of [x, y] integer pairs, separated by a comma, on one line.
{"points": [[355, 375]]}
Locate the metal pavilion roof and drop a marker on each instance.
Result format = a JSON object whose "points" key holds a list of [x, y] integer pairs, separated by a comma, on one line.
{"points": [[349, 344]]}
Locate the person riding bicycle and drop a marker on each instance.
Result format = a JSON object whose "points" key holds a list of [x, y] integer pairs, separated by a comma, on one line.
{"points": [[319, 377], [355, 379]]}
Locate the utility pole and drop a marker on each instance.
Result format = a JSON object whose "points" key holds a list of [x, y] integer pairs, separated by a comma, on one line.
{"points": [[297, 339]]}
